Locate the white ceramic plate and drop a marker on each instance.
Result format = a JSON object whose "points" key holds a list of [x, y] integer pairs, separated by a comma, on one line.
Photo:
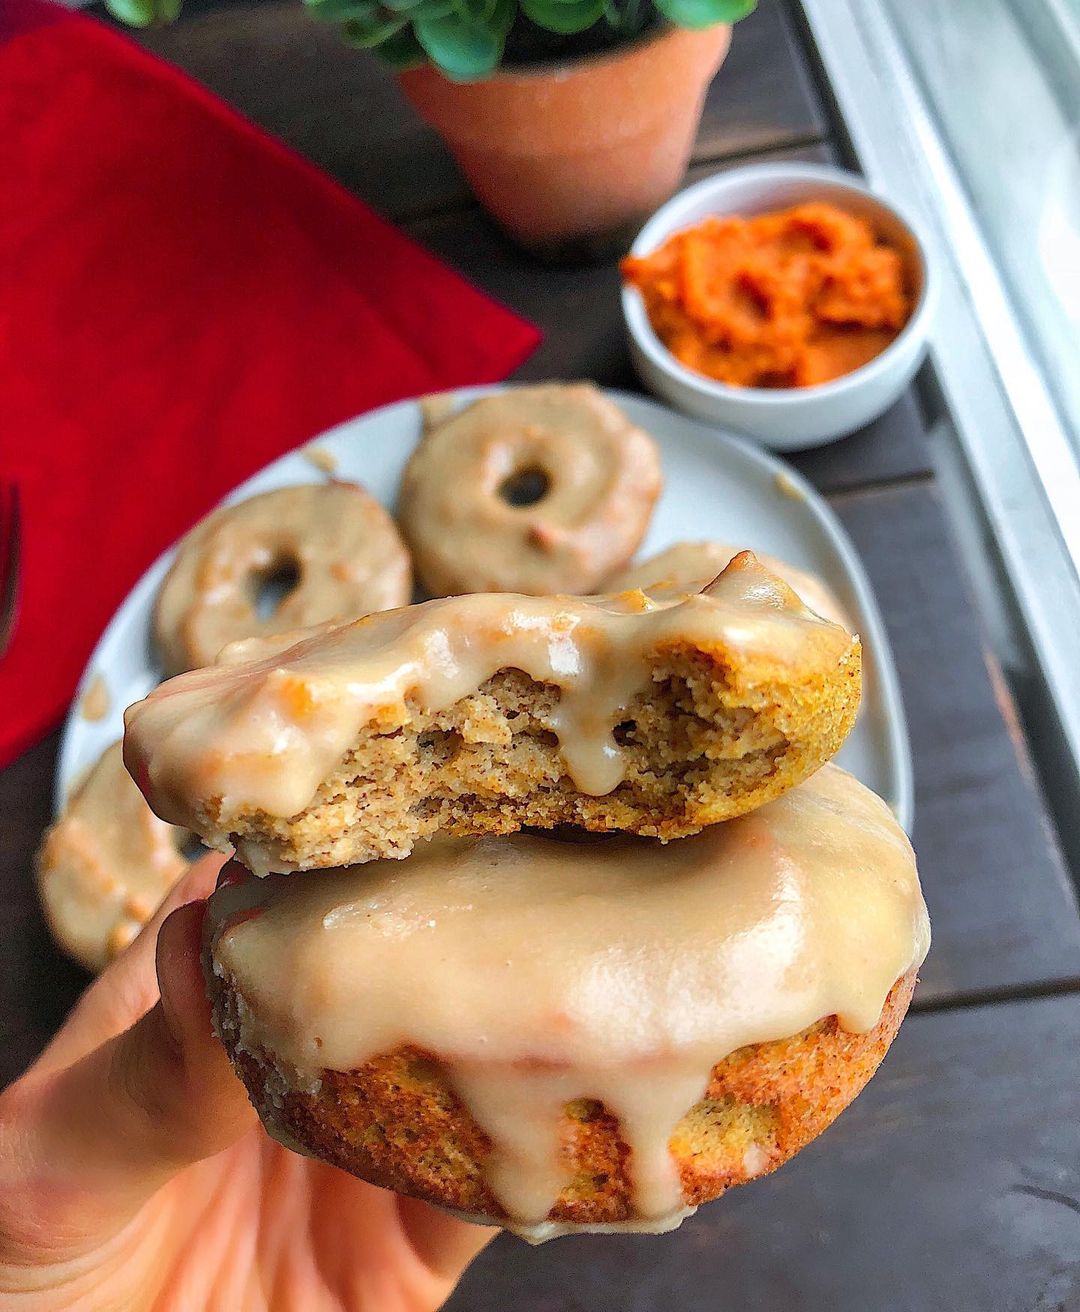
{"points": [[717, 487]]}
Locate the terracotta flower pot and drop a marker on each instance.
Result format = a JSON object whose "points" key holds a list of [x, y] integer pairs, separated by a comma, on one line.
{"points": [[570, 157]]}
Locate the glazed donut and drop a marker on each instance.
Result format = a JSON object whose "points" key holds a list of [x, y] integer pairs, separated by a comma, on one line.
{"points": [[535, 490], [488, 712], [555, 1036], [694, 565], [106, 865], [344, 548]]}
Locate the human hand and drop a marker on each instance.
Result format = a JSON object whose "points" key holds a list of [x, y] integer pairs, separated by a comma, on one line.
{"points": [[134, 1173]]}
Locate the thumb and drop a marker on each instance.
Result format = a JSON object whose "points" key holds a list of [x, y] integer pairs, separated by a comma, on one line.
{"points": [[108, 1131]]}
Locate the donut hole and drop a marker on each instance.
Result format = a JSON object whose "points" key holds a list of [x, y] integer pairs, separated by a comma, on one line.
{"points": [[525, 487], [270, 587]]}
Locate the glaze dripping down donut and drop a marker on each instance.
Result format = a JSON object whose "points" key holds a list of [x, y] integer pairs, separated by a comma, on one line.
{"points": [[572, 1035]]}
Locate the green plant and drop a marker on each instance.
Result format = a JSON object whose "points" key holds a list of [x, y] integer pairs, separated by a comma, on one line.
{"points": [[465, 38], [144, 13]]}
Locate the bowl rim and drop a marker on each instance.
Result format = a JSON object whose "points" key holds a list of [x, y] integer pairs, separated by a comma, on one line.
{"points": [[657, 228]]}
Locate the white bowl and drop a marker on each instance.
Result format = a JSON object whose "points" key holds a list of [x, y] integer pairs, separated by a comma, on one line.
{"points": [[790, 417]]}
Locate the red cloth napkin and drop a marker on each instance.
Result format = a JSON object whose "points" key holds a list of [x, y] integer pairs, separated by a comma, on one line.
{"points": [[181, 300]]}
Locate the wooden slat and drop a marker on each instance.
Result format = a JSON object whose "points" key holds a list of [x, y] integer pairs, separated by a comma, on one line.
{"points": [[1003, 910], [298, 79], [895, 446], [764, 96], [951, 1185], [342, 109]]}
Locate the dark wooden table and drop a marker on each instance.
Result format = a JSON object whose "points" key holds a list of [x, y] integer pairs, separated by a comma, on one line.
{"points": [[954, 1181]]}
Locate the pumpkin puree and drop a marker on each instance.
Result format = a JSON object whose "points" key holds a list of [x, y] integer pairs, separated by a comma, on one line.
{"points": [[787, 299]]}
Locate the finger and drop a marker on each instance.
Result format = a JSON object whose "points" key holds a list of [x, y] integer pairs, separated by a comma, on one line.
{"points": [[443, 1243], [127, 988], [113, 1127]]}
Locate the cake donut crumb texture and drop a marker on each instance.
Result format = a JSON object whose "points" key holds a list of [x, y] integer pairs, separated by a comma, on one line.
{"points": [[587, 1035], [486, 713]]}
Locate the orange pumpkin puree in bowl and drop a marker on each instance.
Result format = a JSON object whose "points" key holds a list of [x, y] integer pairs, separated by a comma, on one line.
{"points": [[789, 299]]}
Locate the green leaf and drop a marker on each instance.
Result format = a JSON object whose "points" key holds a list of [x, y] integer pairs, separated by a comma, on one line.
{"points": [[627, 17], [502, 18], [705, 13], [373, 29], [339, 11], [414, 9], [401, 51], [144, 13], [480, 11], [565, 16], [433, 9], [461, 47]]}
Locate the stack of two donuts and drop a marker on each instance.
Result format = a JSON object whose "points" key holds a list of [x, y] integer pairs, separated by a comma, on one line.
{"points": [[424, 977], [541, 1033]]}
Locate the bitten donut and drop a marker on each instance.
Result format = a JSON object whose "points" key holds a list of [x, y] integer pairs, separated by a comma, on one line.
{"points": [[694, 565], [343, 548], [489, 712], [106, 865], [534, 490], [556, 1036]]}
